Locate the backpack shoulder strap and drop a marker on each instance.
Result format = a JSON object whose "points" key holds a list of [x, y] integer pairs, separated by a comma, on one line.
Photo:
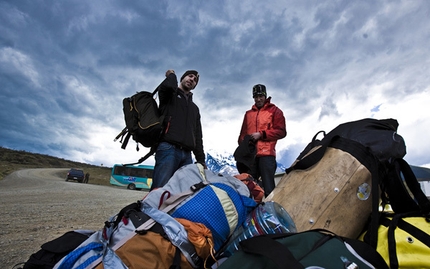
{"points": [[413, 185], [141, 160]]}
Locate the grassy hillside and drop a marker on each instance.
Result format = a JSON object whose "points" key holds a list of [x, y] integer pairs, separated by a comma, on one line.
{"points": [[13, 160]]}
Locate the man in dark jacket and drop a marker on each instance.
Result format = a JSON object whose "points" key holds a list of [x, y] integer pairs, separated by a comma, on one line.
{"points": [[183, 130]]}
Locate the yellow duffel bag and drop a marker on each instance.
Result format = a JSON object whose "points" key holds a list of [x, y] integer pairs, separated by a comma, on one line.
{"points": [[404, 240]]}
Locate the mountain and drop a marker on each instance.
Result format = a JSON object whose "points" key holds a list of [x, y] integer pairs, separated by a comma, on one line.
{"points": [[224, 163], [221, 163]]}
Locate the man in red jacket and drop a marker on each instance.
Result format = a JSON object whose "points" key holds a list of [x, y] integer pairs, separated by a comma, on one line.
{"points": [[265, 124]]}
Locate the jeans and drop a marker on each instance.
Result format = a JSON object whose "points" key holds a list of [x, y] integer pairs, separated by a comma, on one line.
{"points": [[168, 159], [265, 167]]}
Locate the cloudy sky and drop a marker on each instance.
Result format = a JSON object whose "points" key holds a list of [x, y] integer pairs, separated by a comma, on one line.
{"points": [[65, 67]]}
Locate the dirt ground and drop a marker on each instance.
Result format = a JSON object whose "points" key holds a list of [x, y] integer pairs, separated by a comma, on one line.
{"points": [[36, 206]]}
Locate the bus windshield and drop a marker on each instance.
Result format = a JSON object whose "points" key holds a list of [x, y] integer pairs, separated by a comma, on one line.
{"points": [[132, 176]]}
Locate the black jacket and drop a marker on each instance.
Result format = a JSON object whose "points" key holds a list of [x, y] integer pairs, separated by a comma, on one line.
{"points": [[182, 118], [245, 155]]}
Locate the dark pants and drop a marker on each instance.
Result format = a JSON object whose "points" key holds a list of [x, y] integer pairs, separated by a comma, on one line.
{"points": [[168, 159], [265, 167]]}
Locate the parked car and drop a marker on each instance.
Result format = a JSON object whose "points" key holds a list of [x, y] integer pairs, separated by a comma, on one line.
{"points": [[75, 174]]}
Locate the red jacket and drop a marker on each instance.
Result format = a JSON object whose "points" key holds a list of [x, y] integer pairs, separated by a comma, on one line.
{"points": [[270, 122]]}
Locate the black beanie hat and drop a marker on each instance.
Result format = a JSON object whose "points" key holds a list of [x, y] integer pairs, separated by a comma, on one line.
{"points": [[259, 89], [194, 72]]}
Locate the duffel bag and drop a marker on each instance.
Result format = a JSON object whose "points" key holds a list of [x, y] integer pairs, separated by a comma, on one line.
{"points": [[310, 249], [335, 180], [328, 187], [404, 240]]}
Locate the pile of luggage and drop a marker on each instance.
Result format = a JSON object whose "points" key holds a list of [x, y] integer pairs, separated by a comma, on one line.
{"points": [[350, 200], [351, 188]]}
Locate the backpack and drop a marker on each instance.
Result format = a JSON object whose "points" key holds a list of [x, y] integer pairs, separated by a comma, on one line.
{"points": [[143, 121], [221, 203], [336, 179]]}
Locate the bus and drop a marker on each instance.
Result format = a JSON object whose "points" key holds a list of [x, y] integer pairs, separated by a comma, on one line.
{"points": [[134, 177]]}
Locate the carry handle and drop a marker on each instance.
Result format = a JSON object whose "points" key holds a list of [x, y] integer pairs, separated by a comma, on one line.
{"points": [[314, 157]]}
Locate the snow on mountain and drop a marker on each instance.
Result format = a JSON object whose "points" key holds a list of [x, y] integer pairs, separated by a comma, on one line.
{"points": [[221, 163], [224, 163]]}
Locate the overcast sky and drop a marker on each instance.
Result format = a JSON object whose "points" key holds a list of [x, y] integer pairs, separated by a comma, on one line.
{"points": [[65, 67]]}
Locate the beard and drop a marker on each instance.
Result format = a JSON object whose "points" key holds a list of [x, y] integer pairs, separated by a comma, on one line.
{"points": [[186, 86]]}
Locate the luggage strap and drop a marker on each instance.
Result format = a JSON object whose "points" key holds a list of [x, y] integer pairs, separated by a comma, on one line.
{"points": [[171, 203], [398, 222]]}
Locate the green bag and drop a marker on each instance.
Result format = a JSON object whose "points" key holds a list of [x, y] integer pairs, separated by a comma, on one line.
{"points": [[309, 249]]}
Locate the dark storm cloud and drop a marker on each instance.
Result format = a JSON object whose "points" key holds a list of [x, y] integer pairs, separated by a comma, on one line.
{"points": [[66, 65]]}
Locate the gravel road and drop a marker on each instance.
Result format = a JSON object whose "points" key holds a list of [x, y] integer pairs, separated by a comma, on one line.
{"points": [[38, 205]]}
